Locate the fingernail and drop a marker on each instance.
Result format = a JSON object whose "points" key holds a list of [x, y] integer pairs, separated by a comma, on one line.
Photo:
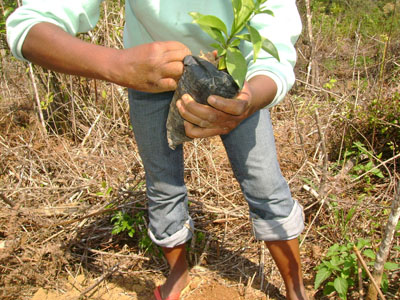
{"points": [[212, 100]]}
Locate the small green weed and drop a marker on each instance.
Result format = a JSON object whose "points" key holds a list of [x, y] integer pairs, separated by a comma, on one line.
{"points": [[123, 223], [106, 191], [363, 164], [342, 218], [330, 84], [339, 268], [133, 226]]}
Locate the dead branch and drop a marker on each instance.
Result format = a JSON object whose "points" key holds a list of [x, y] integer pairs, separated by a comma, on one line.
{"points": [[363, 263], [134, 256], [311, 63], [44, 130], [384, 248], [6, 200], [98, 281]]}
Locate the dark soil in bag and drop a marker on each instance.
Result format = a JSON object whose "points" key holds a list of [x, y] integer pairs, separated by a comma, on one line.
{"points": [[200, 79]]}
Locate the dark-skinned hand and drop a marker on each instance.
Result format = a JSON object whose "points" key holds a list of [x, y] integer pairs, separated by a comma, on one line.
{"points": [[223, 115]]}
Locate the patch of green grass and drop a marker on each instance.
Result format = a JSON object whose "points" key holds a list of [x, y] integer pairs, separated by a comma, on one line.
{"points": [[343, 18]]}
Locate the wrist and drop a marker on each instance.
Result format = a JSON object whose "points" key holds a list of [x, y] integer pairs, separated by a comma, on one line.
{"points": [[111, 66], [263, 90]]}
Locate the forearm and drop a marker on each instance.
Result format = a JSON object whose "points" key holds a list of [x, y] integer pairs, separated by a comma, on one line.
{"points": [[263, 91], [153, 67], [49, 46]]}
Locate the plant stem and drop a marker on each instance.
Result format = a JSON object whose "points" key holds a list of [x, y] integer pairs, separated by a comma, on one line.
{"points": [[239, 28], [384, 248], [362, 261]]}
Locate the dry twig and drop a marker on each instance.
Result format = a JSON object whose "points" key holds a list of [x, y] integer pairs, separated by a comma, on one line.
{"points": [[98, 281], [363, 263]]}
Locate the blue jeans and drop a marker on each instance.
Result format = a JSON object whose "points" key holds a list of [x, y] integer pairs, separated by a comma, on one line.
{"points": [[252, 154]]}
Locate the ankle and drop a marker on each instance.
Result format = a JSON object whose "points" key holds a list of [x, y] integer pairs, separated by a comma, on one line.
{"points": [[175, 283], [296, 294]]}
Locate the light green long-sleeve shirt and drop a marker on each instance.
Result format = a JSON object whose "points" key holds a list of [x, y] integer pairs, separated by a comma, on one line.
{"points": [[163, 20]]}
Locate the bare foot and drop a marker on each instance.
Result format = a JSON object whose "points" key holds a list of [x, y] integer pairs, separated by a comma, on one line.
{"points": [[175, 284], [296, 295]]}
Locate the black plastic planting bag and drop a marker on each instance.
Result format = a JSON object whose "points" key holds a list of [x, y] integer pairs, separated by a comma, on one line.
{"points": [[200, 79]]}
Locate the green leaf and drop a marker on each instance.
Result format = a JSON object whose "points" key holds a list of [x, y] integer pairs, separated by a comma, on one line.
{"points": [[331, 266], [222, 63], [322, 275], [362, 243], [255, 38], [377, 173], [350, 214], [267, 11], [329, 288], [109, 190], [248, 4], [244, 15], [336, 261], [341, 287], [384, 283], [391, 266], [209, 21], [236, 5], [235, 43], [268, 46], [218, 47], [116, 230], [369, 253], [214, 33], [333, 250], [236, 65]]}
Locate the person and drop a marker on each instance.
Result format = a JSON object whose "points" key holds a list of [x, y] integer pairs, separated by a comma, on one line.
{"points": [[157, 36]]}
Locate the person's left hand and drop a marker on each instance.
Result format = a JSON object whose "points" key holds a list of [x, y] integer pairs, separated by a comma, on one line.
{"points": [[222, 116]]}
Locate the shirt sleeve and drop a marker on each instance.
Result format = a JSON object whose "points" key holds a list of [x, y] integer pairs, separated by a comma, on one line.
{"points": [[73, 16], [283, 30]]}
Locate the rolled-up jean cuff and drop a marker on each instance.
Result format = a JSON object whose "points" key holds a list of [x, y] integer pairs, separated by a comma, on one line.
{"points": [[280, 230], [178, 238]]}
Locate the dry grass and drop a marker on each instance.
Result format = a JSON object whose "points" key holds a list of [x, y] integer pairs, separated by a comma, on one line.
{"points": [[55, 216]]}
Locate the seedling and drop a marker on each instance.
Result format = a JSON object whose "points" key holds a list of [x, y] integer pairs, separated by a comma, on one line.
{"points": [[227, 43], [200, 78]]}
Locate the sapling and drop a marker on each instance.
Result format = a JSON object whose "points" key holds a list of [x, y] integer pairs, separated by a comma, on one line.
{"points": [[201, 79]]}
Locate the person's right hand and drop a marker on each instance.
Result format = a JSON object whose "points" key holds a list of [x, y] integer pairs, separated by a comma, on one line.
{"points": [[154, 67]]}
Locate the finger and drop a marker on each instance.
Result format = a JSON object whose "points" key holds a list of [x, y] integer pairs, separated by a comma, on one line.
{"points": [[188, 116], [234, 107], [172, 69], [202, 111], [194, 131], [166, 84], [174, 45], [175, 51]]}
